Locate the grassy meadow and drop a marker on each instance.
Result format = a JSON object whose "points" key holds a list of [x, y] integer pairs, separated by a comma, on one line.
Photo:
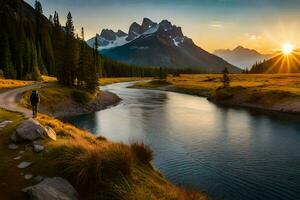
{"points": [[279, 92]]}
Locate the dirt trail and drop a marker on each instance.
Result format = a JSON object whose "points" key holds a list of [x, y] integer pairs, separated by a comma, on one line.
{"points": [[8, 98]]}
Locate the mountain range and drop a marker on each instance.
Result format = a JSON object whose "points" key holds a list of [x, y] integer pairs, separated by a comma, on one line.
{"points": [[158, 44], [241, 57]]}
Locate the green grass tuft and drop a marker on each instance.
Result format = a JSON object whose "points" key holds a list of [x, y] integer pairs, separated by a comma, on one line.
{"points": [[81, 97]]}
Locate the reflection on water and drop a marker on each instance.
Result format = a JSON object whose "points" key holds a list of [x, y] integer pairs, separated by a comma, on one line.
{"points": [[229, 153]]}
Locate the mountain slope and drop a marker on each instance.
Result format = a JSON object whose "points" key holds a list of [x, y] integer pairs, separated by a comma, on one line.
{"points": [[279, 64], [241, 57], [163, 44]]}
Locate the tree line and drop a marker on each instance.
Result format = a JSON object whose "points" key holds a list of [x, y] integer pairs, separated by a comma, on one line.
{"points": [[32, 45]]}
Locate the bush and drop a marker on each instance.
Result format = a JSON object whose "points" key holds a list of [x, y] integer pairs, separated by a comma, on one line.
{"points": [[1, 73], [116, 158], [87, 165], [81, 97], [142, 151]]}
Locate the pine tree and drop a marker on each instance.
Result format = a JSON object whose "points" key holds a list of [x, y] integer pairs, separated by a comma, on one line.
{"points": [[70, 30]]}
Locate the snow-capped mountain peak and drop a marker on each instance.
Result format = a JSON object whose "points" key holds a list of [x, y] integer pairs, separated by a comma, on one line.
{"points": [[157, 44]]}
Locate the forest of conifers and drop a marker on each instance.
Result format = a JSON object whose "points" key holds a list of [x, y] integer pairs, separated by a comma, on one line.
{"points": [[32, 45]]}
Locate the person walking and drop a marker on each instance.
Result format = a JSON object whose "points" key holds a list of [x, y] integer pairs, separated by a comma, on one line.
{"points": [[34, 100]]}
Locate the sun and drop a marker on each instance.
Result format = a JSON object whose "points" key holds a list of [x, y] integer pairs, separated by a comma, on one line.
{"points": [[287, 48]]}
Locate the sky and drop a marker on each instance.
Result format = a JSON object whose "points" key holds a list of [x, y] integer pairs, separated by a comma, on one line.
{"points": [[264, 25]]}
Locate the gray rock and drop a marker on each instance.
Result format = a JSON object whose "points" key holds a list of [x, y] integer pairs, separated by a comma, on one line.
{"points": [[38, 148], [17, 158], [52, 189], [21, 152], [30, 130], [13, 146], [38, 179], [28, 176], [24, 164]]}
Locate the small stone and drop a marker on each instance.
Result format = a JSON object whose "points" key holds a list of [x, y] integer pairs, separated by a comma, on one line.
{"points": [[21, 152], [13, 146], [38, 179], [17, 158], [24, 164], [28, 176], [38, 148], [4, 123], [14, 137]]}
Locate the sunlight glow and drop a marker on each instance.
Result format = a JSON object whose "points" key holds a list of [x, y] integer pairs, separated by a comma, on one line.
{"points": [[287, 49]]}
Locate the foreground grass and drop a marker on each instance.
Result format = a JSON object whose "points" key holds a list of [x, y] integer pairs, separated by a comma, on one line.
{"points": [[99, 169]]}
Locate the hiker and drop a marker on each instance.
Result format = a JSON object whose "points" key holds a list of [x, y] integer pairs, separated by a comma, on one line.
{"points": [[34, 100]]}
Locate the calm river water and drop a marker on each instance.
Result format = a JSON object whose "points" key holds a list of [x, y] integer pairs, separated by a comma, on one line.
{"points": [[227, 152]]}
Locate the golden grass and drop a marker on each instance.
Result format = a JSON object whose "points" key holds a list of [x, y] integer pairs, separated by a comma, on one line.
{"points": [[210, 82], [91, 162], [10, 83], [107, 81], [264, 90], [49, 78]]}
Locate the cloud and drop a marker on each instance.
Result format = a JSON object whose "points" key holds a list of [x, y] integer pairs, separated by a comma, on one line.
{"points": [[251, 36], [216, 24]]}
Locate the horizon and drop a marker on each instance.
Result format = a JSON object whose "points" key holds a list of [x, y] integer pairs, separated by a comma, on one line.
{"points": [[222, 24]]}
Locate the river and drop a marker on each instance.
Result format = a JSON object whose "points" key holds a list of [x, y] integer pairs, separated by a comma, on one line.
{"points": [[229, 153]]}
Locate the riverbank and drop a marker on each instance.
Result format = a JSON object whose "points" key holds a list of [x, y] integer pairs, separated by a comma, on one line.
{"points": [[111, 170], [61, 101], [126, 175], [274, 92]]}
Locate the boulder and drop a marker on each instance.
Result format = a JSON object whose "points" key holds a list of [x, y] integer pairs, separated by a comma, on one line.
{"points": [[55, 188], [31, 130]]}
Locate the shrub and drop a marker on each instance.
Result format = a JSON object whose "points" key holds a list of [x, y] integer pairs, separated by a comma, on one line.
{"points": [[81, 97], [87, 165], [117, 158], [142, 151]]}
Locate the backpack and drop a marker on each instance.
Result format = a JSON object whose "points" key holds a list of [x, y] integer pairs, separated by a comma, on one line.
{"points": [[34, 98]]}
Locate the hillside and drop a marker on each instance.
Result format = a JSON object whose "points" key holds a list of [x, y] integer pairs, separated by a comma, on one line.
{"points": [[241, 57], [279, 64], [158, 44]]}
